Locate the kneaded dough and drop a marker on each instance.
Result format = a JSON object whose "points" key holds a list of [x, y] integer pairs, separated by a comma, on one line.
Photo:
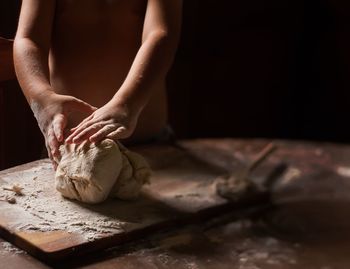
{"points": [[91, 172]]}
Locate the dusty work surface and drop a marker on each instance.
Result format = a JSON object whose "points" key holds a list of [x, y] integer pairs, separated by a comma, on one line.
{"points": [[42, 222], [50, 226], [306, 228]]}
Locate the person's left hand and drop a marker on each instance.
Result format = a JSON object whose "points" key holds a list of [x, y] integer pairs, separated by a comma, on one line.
{"points": [[110, 121]]}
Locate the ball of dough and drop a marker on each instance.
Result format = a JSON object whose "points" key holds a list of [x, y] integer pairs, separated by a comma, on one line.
{"points": [[134, 174], [88, 171]]}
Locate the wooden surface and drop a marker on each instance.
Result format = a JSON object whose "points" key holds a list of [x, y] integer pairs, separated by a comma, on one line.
{"points": [[182, 189], [312, 199]]}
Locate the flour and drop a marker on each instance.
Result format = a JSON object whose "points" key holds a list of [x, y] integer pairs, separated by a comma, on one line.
{"points": [[8, 248], [46, 210], [42, 208]]}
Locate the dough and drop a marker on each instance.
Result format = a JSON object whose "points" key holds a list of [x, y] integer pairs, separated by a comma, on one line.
{"points": [[92, 172], [133, 175]]}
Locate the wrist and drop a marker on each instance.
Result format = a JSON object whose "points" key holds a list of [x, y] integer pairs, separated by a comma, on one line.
{"points": [[41, 99], [131, 106], [42, 96]]}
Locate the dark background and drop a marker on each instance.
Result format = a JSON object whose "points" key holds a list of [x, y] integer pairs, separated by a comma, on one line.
{"points": [[244, 68]]}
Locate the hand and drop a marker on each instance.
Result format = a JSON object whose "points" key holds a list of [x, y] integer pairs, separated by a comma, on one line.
{"points": [[52, 117], [112, 121]]}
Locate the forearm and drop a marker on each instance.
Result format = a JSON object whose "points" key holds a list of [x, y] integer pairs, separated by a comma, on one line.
{"points": [[150, 66], [31, 65]]}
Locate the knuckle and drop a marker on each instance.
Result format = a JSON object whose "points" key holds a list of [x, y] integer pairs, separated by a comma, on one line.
{"points": [[52, 143], [110, 127], [97, 126]]}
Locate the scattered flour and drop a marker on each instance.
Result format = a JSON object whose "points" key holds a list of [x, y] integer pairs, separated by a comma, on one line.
{"points": [[46, 210], [8, 248]]}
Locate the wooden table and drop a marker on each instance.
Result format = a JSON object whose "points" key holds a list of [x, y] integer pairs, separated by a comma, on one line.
{"points": [[306, 228]]}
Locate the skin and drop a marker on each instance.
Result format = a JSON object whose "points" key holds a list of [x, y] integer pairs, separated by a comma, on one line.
{"points": [[92, 69]]}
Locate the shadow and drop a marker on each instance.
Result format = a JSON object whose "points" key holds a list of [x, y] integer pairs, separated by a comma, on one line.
{"points": [[143, 209], [313, 221], [177, 167], [311, 208], [175, 156], [178, 241], [274, 176], [223, 160]]}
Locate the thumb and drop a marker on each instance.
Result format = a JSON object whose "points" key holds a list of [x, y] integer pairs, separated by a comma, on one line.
{"points": [[79, 105], [59, 123]]}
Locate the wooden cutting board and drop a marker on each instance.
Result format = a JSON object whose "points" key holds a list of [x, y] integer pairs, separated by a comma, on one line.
{"points": [[50, 227]]}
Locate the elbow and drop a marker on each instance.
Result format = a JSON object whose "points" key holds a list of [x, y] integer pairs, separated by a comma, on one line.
{"points": [[21, 41], [22, 44], [19, 46], [164, 41], [161, 37], [161, 34]]}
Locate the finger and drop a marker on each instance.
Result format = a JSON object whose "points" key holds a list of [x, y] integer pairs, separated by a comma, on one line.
{"points": [[77, 104], [83, 122], [120, 133], [82, 126], [102, 133], [49, 152], [59, 123], [77, 132], [67, 133], [53, 143], [53, 162], [87, 132], [73, 129]]}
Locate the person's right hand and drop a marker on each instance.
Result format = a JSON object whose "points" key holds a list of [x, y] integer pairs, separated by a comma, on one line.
{"points": [[52, 113]]}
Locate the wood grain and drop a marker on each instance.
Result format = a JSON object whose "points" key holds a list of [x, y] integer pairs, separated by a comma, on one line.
{"points": [[181, 191]]}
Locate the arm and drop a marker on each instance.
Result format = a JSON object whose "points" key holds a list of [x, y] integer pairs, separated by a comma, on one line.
{"points": [[153, 60], [117, 119], [31, 50]]}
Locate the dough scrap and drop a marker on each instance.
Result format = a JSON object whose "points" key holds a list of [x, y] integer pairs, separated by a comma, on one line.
{"points": [[92, 172]]}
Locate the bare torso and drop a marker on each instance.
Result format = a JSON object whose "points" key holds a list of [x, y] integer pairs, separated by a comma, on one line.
{"points": [[94, 43]]}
